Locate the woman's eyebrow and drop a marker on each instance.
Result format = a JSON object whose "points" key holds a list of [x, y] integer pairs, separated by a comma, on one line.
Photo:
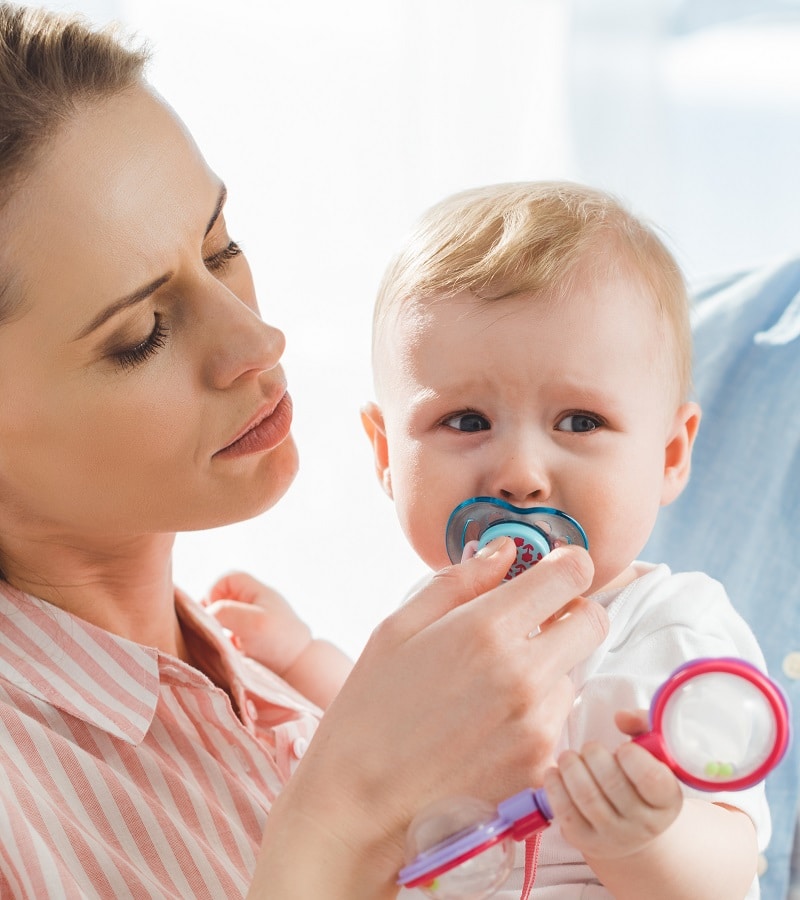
{"points": [[223, 196], [123, 303], [149, 289]]}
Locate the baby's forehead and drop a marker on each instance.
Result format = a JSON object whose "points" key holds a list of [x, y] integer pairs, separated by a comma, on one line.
{"points": [[409, 320], [424, 330]]}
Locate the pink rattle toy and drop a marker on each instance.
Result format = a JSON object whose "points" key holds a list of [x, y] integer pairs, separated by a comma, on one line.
{"points": [[719, 724]]}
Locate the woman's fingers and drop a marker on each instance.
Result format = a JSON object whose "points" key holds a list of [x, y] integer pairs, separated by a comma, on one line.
{"points": [[522, 604], [570, 638], [453, 586], [454, 670]]}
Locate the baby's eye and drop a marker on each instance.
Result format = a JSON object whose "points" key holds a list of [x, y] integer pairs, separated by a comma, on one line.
{"points": [[579, 423], [468, 421]]}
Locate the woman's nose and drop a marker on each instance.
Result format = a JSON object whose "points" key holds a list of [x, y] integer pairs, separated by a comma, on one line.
{"points": [[239, 342]]}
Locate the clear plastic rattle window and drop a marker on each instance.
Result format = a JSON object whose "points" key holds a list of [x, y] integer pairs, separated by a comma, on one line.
{"points": [[718, 727], [444, 824]]}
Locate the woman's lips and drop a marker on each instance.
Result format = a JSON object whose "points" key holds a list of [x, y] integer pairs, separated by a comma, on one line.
{"points": [[265, 434]]}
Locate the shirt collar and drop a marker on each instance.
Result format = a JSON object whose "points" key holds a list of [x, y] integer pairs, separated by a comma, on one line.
{"points": [[105, 680]]}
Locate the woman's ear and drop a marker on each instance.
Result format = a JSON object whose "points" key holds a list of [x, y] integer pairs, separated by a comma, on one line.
{"points": [[372, 420], [678, 451]]}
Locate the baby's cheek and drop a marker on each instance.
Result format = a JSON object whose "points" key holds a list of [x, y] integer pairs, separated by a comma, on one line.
{"points": [[427, 541]]}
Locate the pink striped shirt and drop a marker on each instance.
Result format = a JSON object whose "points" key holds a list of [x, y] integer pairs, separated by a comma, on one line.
{"points": [[126, 773]]}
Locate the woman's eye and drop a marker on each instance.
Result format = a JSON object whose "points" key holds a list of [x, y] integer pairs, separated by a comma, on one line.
{"points": [[468, 422], [131, 357], [219, 260], [579, 423]]}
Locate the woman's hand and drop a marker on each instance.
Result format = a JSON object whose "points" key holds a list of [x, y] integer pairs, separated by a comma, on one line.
{"points": [[450, 696]]}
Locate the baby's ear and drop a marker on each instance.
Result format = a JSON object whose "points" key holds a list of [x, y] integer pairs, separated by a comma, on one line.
{"points": [[678, 451], [372, 420]]}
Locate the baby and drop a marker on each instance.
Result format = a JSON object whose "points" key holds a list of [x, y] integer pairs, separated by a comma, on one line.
{"points": [[532, 345]]}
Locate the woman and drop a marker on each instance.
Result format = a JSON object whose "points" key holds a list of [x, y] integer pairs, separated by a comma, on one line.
{"points": [[142, 394]]}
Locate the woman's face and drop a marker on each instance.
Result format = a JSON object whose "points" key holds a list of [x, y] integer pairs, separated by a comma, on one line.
{"points": [[138, 358]]}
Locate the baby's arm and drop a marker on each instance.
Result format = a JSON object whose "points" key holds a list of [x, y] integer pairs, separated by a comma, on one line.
{"points": [[625, 812], [268, 630]]}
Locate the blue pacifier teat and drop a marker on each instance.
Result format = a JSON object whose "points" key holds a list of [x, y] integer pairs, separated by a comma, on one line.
{"points": [[536, 530]]}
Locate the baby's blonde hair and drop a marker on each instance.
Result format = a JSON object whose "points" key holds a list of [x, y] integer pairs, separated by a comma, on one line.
{"points": [[534, 238]]}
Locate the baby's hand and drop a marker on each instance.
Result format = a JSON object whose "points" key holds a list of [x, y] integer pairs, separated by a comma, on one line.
{"points": [[264, 625], [610, 805]]}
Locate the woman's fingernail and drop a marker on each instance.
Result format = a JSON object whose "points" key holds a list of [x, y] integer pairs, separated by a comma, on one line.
{"points": [[491, 548], [470, 549]]}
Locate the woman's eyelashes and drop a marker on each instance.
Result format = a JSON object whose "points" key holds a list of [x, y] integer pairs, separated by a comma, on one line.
{"points": [[218, 261], [130, 357]]}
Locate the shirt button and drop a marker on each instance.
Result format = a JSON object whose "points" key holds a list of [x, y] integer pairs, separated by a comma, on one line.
{"points": [[791, 665], [299, 747], [763, 865], [251, 710]]}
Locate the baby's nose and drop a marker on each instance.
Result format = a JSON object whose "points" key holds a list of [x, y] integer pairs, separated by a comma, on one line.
{"points": [[522, 479]]}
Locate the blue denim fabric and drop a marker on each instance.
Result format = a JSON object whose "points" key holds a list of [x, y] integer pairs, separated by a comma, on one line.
{"points": [[739, 517]]}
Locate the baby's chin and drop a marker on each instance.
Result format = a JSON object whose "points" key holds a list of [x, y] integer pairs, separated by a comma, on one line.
{"points": [[434, 559], [603, 583]]}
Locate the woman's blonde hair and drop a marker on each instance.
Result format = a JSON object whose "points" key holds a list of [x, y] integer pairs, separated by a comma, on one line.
{"points": [[49, 65], [534, 238]]}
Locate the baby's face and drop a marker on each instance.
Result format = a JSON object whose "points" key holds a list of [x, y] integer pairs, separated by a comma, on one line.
{"points": [[570, 404]]}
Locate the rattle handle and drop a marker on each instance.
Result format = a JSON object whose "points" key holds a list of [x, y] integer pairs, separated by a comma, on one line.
{"points": [[528, 812], [653, 741]]}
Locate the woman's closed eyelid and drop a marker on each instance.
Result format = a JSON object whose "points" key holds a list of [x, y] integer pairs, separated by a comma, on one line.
{"points": [[216, 262], [130, 357]]}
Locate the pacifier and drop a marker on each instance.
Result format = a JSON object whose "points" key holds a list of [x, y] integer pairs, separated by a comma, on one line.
{"points": [[536, 530]]}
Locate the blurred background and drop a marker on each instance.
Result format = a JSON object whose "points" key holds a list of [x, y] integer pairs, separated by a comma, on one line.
{"points": [[336, 124]]}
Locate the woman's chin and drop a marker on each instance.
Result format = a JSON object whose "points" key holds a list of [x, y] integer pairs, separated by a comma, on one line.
{"points": [[271, 485], [247, 497]]}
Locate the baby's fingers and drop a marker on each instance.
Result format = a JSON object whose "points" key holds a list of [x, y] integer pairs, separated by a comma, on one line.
{"points": [[654, 781], [242, 587], [273, 638], [632, 721], [242, 619], [597, 786]]}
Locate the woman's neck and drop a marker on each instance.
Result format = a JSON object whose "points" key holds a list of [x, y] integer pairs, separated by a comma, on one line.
{"points": [[122, 586]]}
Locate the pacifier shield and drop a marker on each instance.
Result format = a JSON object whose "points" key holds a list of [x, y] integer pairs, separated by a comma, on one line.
{"points": [[536, 530]]}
